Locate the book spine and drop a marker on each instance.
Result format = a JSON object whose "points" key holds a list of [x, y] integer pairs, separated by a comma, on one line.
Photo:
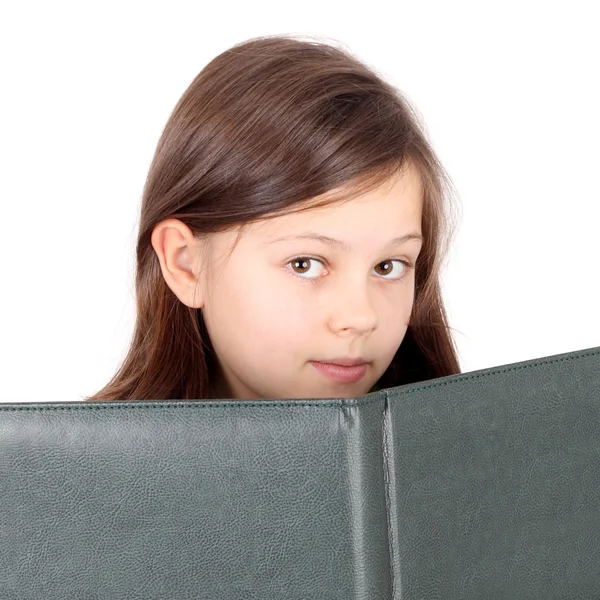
{"points": [[368, 518]]}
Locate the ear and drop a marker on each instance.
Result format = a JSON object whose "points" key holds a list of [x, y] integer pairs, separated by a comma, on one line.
{"points": [[179, 254]]}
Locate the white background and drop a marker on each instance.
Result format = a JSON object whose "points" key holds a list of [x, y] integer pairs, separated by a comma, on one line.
{"points": [[509, 93]]}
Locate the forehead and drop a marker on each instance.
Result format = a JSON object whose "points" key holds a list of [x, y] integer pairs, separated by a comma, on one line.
{"points": [[394, 206], [392, 209]]}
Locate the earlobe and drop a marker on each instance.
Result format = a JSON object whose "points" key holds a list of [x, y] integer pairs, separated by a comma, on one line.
{"points": [[177, 250]]}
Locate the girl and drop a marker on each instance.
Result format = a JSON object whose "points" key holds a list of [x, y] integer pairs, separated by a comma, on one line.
{"points": [[294, 222]]}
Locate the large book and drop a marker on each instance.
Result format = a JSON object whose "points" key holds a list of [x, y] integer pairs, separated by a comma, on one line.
{"points": [[484, 484]]}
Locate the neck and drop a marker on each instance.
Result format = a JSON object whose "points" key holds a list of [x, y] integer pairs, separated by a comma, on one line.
{"points": [[219, 389]]}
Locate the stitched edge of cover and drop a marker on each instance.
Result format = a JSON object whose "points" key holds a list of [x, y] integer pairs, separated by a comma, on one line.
{"points": [[342, 402]]}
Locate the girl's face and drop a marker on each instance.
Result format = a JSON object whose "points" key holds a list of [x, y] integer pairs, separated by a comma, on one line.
{"points": [[319, 285]]}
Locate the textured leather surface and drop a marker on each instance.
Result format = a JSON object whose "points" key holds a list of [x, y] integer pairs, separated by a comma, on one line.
{"points": [[479, 485], [193, 500], [495, 482]]}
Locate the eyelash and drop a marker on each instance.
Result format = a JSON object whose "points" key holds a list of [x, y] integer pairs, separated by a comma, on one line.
{"points": [[406, 263]]}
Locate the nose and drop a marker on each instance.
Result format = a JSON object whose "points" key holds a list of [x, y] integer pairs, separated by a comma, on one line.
{"points": [[351, 308]]}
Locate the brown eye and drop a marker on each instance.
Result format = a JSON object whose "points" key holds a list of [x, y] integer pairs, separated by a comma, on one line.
{"points": [[301, 265], [387, 267]]}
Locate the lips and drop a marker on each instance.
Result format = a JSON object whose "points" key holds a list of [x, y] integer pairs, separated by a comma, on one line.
{"points": [[344, 361], [341, 373]]}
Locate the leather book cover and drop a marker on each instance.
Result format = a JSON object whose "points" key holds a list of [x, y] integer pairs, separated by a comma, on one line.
{"points": [[494, 482], [477, 485]]}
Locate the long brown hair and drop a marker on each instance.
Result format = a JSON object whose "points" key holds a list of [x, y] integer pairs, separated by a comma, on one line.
{"points": [[267, 125]]}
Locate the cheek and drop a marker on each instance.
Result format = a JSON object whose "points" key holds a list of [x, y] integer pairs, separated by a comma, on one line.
{"points": [[279, 310], [395, 316], [261, 306]]}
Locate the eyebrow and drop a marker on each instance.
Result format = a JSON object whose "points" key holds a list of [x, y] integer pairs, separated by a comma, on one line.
{"points": [[309, 235]]}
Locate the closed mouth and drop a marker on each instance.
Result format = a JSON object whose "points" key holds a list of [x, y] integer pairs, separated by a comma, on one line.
{"points": [[344, 362]]}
